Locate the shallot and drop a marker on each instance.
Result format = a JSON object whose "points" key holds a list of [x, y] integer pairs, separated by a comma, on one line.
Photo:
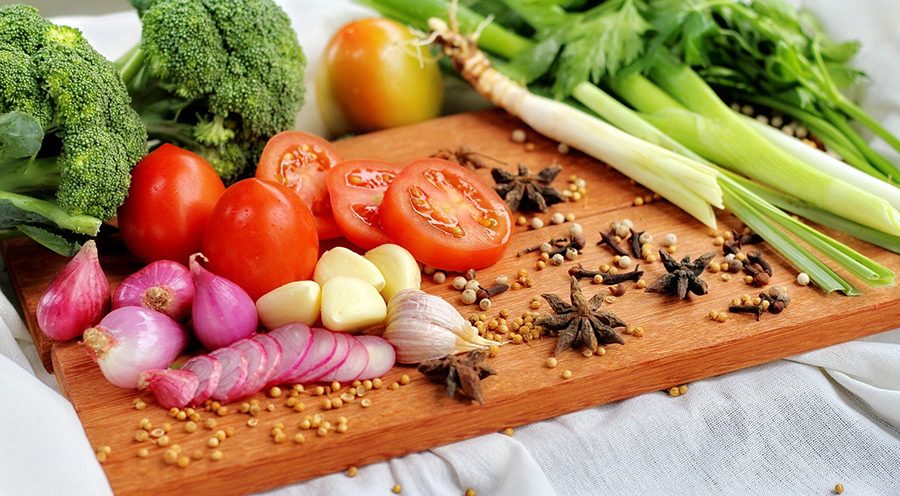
{"points": [[131, 340], [172, 387], [77, 298], [164, 286], [222, 312]]}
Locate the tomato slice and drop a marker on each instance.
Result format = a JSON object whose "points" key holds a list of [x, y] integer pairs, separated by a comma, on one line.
{"points": [[445, 216], [356, 188], [301, 162]]}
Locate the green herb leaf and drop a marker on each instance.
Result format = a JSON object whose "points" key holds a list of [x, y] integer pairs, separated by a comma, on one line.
{"points": [[50, 240], [21, 135]]}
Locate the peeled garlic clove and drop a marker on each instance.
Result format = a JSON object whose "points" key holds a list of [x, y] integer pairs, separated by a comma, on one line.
{"points": [[295, 302], [422, 327], [351, 304], [343, 262], [399, 268]]}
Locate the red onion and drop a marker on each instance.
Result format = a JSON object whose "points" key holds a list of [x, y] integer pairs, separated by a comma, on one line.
{"points": [[296, 342], [170, 386], [234, 374], [77, 298], [257, 366], [381, 357], [356, 363], [131, 340], [320, 353], [164, 286], [222, 312]]}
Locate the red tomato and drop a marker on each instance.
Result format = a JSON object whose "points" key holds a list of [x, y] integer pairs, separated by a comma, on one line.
{"points": [[172, 194], [445, 216], [301, 161], [261, 236], [356, 188]]}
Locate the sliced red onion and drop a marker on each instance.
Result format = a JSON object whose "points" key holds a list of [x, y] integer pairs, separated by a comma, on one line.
{"points": [[77, 298], [341, 352], [257, 366], [296, 342], [381, 357], [234, 374], [323, 347], [222, 312], [130, 340], [172, 387], [164, 286], [355, 364], [208, 370], [273, 352]]}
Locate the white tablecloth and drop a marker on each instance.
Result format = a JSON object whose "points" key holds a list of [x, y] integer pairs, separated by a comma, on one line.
{"points": [[796, 426]]}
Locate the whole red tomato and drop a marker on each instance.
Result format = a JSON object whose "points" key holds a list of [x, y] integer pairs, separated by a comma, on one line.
{"points": [[261, 236], [172, 194]]}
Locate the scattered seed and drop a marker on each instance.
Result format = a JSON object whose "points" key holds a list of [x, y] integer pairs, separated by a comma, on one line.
{"points": [[459, 283], [366, 403], [563, 148], [803, 279], [143, 452], [509, 431], [439, 277], [536, 223], [485, 304], [551, 363], [183, 461], [529, 147], [396, 489], [725, 277], [838, 488], [216, 455], [567, 374]]}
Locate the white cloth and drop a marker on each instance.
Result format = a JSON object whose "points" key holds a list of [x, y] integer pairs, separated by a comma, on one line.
{"points": [[794, 426]]}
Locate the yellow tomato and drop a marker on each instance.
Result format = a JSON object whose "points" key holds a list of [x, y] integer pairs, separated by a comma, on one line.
{"points": [[371, 78]]}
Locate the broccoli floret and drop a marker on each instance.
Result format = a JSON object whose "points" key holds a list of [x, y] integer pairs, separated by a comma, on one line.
{"points": [[218, 77], [67, 129]]}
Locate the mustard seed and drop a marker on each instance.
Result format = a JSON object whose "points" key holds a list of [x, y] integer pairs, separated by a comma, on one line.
{"points": [[275, 392], [299, 438], [216, 455], [190, 426], [551, 362], [213, 442], [366, 403], [143, 452], [396, 488], [170, 456], [352, 471], [567, 374], [183, 461], [838, 488], [470, 492], [404, 379], [509, 431]]}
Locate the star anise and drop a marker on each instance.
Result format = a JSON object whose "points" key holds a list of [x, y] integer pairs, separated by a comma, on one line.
{"points": [[580, 324], [461, 374], [527, 192], [682, 277], [465, 157]]}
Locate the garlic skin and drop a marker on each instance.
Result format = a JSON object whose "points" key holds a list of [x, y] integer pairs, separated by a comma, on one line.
{"points": [[77, 298], [340, 261], [423, 327], [398, 266]]}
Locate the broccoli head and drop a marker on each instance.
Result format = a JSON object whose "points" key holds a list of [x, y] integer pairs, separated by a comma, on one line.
{"points": [[216, 76], [67, 129]]}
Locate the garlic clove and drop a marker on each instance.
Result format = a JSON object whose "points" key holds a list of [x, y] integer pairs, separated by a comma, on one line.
{"points": [[351, 304], [295, 302], [423, 327], [399, 268], [340, 261]]}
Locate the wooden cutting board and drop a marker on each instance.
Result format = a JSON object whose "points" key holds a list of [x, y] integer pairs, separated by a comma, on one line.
{"points": [[679, 344]]}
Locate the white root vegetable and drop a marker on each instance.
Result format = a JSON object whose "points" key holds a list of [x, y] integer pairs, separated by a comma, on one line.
{"points": [[691, 186]]}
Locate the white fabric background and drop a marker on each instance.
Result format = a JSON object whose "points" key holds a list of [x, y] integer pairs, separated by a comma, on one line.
{"points": [[794, 426]]}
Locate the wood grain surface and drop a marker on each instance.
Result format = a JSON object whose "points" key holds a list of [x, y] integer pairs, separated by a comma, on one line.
{"points": [[679, 344]]}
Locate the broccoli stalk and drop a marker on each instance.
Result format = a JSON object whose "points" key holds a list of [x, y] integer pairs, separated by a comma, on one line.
{"points": [[68, 134], [217, 77]]}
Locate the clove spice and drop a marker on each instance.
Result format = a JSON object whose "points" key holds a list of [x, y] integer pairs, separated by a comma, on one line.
{"points": [[491, 291], [636, 243], [579, 272], [606, 238]]}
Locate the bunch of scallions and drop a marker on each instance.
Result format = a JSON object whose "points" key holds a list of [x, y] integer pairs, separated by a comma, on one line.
{"points": [[634, 83]]}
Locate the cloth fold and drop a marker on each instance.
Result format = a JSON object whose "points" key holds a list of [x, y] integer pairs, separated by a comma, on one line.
{"points": [[795, 426]]}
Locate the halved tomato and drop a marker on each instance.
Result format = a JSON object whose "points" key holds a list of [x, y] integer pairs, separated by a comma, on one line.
{"points": [[301, 161], [356, 188], [445, 216]]}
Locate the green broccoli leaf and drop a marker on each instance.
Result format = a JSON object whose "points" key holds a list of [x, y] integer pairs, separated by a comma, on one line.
{"points": [[50, 240], [20, 135]]}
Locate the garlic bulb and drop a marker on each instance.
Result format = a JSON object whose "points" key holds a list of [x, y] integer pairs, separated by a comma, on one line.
{"points": [[423, 327]]}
